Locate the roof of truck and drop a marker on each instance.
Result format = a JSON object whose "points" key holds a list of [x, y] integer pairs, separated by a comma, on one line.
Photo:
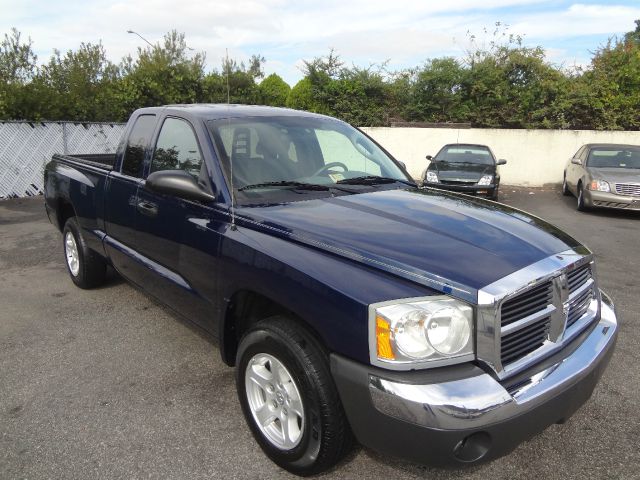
{"points": [[215, 111]]}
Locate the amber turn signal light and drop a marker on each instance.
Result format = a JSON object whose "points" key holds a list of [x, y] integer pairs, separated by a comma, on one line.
{"points": [[383, 339]]}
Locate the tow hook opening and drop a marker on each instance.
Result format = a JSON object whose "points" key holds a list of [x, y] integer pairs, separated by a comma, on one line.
{"points": [[473, 447]]}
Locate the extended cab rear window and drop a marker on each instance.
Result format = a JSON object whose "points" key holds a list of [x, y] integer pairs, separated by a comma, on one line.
{"points": [[137, 145]]}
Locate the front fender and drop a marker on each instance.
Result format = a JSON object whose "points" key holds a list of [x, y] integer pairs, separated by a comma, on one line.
{"points": [[327, 292]]}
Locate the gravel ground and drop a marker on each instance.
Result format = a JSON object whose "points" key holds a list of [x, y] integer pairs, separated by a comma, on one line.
{"points": [[108, 384]]}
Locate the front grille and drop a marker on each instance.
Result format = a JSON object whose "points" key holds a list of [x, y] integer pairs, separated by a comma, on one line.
{"points": [[527, 303], [579, 306], [628, 189], [524, 341], [578, 277], [526, 319], [457, 182]]}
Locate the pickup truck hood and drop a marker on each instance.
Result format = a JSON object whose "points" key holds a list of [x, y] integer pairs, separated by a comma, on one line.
{"points": [[457, 172], [452, 243]]}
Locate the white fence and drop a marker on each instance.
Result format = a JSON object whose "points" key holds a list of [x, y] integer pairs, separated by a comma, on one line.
{"points": [[534, 157], [25, 147]]}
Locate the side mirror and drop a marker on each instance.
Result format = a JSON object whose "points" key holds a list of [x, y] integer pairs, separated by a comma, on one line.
{"points": [[403, 165], [429, 157], [179, 184], [576, 161], [501, 162]]}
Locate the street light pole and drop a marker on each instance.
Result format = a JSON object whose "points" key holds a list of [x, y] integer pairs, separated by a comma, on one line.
{"points": [[136, 33]]}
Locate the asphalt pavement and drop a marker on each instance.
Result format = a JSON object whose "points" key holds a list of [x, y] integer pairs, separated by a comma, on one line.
{"points": [[108, 384]]}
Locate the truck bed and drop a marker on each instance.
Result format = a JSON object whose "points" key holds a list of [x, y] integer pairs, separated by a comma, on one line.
{"points": [[103, 161]]}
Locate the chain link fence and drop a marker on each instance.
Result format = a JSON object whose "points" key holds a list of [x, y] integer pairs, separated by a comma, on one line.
{"points": [[25, 148]]}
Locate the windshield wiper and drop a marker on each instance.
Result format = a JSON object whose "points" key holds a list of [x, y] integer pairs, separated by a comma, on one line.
{"points": [[287, 183], [372, 180]]}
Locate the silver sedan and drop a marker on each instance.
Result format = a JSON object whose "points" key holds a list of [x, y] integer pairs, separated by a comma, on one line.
{"points": [[604, 175]]}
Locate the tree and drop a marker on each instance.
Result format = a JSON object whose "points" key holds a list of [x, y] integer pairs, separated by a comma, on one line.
{"points": [[18, 65], [274, 91], [163, 74], [77, 85], [238, 77], [436, 95]]}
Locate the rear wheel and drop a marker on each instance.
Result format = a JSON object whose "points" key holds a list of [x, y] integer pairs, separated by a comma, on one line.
{"points": [[86, 268], [289, 399]]}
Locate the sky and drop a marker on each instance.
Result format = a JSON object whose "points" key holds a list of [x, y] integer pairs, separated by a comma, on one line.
{"points": [[404, 33]]}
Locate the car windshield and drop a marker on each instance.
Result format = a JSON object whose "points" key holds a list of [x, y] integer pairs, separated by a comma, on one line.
{"points": [[614, 157], [299, 153], [471, 154]]}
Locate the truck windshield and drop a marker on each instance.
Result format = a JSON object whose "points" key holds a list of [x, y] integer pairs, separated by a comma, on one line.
{"points": [[299, 153]]}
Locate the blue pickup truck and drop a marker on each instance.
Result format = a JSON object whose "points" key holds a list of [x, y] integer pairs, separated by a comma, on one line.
{"points": [[433, 326]]}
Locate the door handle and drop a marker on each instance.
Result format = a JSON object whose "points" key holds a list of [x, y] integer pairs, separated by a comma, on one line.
{"points": [[147, 208]]}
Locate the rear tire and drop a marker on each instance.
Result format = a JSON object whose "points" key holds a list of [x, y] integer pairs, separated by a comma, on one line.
{"points": [[86, 268], [283, 379]]}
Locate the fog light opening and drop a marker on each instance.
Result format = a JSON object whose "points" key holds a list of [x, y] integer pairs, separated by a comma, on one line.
{"points": [[473, 447]]}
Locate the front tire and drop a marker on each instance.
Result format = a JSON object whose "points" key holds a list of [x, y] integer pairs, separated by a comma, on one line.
{"points": [[565, 187], [86, 268], [288, 397], [580, 202]]}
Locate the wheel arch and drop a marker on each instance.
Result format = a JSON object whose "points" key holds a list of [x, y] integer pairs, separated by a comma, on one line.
{"points": [[245, 308]]}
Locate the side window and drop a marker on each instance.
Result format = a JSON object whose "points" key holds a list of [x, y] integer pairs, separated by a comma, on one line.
{"points": [[177, 148], [579, 153], [136, 145]]}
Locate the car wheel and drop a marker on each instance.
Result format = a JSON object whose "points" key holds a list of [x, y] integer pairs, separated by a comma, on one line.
{"points": [[580, 204], [565, 187], [494, 195], [288, 397], [86, 268]]}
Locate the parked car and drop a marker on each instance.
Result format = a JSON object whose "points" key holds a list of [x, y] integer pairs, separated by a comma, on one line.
{"points": [[465, 168], [604, 175], [435, 327]]}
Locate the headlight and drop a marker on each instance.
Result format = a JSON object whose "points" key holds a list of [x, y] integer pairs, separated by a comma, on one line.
{"points": [[600, 186], [421, 332], [432, 177], [485, 180]]}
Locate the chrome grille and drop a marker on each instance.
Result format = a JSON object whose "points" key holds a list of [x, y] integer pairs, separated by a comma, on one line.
{"points": [[578, 277], [527, 303], [537, 318], [524, 341], [628, 189], [579, 306]]}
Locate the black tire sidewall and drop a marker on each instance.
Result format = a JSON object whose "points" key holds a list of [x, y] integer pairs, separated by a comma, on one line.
{"points": [[265, 340], [72, 226], [580, 199], [92, 267]]}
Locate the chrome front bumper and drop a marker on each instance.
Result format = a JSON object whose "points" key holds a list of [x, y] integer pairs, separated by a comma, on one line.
{"points": [[434, 419]]}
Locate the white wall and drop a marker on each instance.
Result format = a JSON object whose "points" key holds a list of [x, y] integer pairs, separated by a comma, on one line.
{"points": [[534, 157]]}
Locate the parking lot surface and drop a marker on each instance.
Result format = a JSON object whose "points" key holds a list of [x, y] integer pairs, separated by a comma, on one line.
{"points": [[108, 384]]}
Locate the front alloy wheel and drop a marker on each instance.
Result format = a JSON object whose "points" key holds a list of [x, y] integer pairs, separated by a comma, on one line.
{"points": [[288, 397], [274, 400]]}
